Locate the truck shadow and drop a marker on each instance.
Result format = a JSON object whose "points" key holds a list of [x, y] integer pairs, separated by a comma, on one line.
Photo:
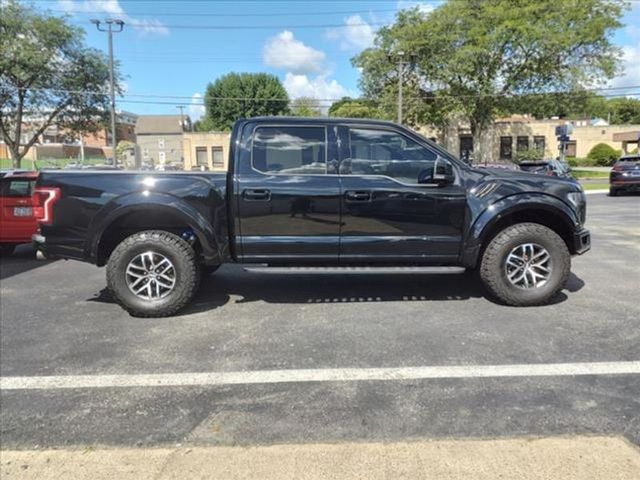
{"points": [[232, 284], [21, 261], [238, 286]]}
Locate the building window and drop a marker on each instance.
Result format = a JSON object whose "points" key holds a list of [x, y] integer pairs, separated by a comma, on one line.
{"points": [[571, 148], [161, 143], [506, 148], [161, 157], [216, 155], [466, 147], [522, 143], [539, 143], [201, 157], [145, 153]]}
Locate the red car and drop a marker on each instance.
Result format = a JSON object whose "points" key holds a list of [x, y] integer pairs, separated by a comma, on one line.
{"points": [[17, 212]]}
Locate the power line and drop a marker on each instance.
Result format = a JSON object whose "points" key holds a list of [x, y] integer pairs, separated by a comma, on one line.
{"points": [[241, 15], [264, 27], [163, 98]]}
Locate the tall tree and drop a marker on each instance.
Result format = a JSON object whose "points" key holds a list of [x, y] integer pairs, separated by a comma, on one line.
{"points": [[241, 95], [478, 54], [355, 108], [47, 76], [306, 107]]}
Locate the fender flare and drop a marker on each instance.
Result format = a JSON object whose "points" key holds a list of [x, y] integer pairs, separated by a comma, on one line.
{"points": [[505, 206], [117, 208]]}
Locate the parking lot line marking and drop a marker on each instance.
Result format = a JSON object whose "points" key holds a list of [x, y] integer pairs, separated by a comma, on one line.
{"points": [[318, 375]]}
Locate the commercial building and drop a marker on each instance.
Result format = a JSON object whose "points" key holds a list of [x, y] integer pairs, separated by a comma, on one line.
{"points": [[206, 150]]}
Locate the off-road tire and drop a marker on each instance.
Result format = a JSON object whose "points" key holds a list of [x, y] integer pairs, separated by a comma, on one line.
{"points": [[178, 251], [492, 271]]}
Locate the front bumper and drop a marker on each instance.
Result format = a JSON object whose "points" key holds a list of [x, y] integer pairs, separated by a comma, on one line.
{"points": [[581, 241]]}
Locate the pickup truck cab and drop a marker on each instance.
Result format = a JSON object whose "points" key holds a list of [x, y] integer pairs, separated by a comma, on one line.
{"points": [[315, 192]]}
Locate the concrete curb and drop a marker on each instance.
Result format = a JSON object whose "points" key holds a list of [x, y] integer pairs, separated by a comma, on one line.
{"points": [[577, 458], [591, 192]]}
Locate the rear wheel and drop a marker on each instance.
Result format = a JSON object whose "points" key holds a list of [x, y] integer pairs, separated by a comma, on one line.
{"points": [[153, 274], [525, 264], [613, 192], [7, 250]]}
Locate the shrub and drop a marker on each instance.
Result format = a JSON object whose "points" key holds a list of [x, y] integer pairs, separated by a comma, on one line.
{"points": [[603, 154], [572, 161]]}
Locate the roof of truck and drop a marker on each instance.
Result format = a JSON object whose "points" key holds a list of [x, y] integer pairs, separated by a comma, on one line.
{"points": [[323, 120]]}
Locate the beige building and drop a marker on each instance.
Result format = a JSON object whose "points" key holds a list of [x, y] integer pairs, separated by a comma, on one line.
{"points": [[206, 150], [521, 132]]}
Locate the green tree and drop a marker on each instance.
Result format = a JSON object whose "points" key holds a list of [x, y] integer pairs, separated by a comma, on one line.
{"points": [[305, 107], [47, 76], [624, 110], [242, 95], [355, 108], [478, 54]]}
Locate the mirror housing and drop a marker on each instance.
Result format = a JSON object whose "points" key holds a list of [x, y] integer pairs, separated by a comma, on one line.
{"points": [[443, 172]]}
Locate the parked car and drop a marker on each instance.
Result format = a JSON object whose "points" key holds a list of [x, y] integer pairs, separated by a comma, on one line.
{"points": [[17, 215], [553, 168], [625, 175], [315, 192]]}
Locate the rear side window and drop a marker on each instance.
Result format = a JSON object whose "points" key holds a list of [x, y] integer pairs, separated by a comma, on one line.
{"points": [[382, 152], [290, 150], [16, 187]]}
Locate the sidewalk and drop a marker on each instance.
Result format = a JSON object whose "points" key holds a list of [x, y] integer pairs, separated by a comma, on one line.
{"points": [[577, 458]]}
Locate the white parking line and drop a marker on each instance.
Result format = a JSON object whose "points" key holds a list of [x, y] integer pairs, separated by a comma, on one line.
{"points": [[318, 375]]}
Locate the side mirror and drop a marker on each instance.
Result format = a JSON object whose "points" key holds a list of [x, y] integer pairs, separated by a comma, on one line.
{"points": [[443, 172]]}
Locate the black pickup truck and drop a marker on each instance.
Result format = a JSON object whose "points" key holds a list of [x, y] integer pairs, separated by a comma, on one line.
{"points": [[314, 192]]}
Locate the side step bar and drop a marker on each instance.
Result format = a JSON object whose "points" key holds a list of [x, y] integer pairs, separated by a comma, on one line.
{"points": [[357, 270]]}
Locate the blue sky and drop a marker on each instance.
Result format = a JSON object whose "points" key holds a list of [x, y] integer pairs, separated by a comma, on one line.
{"points": [[170, 48]]}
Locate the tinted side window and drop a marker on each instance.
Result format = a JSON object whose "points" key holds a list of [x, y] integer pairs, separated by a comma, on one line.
{"points": [[16, 187], [290, 150], [380, 152]]}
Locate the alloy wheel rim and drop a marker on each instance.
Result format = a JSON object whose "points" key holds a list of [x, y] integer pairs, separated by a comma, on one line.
{"points": [[528, 266], [150, 276]]}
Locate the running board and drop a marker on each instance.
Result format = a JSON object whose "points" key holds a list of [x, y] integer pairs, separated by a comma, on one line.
{"points": [[358, 270]]}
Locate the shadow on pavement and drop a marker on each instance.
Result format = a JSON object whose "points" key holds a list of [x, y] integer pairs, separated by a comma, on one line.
{"points": [[317, 288], [22, 260]]}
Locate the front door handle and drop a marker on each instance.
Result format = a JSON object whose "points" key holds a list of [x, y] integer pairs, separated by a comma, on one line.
{"points": [[358, 196], [257, 195]]}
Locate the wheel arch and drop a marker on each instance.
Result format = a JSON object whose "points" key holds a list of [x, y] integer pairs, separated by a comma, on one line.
{"points": [[139, 212], [541, 209]]}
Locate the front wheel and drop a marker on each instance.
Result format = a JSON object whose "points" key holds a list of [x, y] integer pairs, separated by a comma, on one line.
{"points": [[153, 274], [613, 192], [525, 264]]}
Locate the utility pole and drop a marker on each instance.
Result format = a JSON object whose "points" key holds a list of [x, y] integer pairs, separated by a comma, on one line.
{"points": [[400, 57], [113, 26], [181, 108]]}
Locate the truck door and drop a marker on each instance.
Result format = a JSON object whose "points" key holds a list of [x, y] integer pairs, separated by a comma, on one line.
{"points": [[288, 196], [396, 208]]}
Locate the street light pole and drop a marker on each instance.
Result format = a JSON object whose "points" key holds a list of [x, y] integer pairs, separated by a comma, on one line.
{"points": [[110, 29]]}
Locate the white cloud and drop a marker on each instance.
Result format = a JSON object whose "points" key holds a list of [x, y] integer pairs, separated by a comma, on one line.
{"points": [[356, 35], [422, 6], [115, 10], [319, 87], [631, 64], [284, 51], [196, 108]]}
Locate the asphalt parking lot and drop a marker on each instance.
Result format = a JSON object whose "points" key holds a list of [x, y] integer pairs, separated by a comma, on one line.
{"points": [[57, 319]]}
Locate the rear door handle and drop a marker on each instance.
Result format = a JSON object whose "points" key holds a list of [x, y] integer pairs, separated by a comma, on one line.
{"points": [[257, 195], [358, 196]]}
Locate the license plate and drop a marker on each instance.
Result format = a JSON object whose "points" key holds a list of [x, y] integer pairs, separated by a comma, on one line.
{"points": [[22, 211], [635, 173]]}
